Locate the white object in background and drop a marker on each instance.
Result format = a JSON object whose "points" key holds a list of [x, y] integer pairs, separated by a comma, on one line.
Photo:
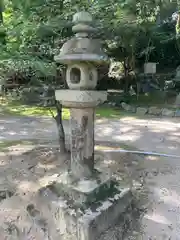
{"points": [[150, 67]]}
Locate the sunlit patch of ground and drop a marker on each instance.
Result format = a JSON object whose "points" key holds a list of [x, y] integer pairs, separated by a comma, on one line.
{"points": [[25, 168]]}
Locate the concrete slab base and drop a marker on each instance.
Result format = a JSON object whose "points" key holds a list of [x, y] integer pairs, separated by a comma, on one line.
{"points": [[93, 223], [87, 222], [83, 191]]}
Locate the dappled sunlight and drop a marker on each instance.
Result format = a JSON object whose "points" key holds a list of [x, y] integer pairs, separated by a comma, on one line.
{"points": [[161, 127], [108, 130], [16, 147], [46, 180], [129, 118], [11, 132], [27, 187], [173, 138], [29, 173], [161, 219], [127, 129], [136, 131], [177, 134], [76, 179], [168, 196], [20, 149], [130, 137], [145, 134], [35, 172], [24, 128], [109, 162], [16, 108], [152, 158], [48, 166], [152, 122], [155, 217], [156, 130], [172, 147]]}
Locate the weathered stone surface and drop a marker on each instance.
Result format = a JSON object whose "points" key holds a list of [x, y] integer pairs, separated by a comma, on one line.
{"points": [[141, 111], [128, 108], [87, 223], [82, 142], [155, 111], [93, 223], [80, 99], [167, 112], [81, 47], [83, 191]]}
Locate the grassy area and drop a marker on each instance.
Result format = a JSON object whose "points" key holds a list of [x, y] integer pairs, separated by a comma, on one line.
{"points": [[16, 108]]}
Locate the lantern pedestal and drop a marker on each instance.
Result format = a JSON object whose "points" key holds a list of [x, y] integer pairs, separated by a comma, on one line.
{"points": [[88, 200], [86, 209]]}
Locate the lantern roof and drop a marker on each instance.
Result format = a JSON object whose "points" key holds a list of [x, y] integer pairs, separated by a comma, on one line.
{"points": [[82, 47]]}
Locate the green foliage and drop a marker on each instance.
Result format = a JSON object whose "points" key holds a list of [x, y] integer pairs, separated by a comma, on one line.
{"points": [[36, 30]]}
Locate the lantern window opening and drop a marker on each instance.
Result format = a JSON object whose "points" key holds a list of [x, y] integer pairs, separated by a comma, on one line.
{"points": [[75, 75]]}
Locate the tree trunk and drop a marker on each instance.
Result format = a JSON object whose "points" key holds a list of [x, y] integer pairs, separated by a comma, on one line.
{"points": [[2, 33], [59, 123], [126, 74]]}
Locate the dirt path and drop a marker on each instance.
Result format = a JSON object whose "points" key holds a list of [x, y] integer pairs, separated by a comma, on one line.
{"points": [[161, 175], [160, 135]]}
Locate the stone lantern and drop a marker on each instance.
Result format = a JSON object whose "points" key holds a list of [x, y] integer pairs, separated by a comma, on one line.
{"points": [[82, 55], [84, 210]]}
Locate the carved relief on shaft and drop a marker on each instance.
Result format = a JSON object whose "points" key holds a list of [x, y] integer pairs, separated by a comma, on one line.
{"points": [[82, 142]]}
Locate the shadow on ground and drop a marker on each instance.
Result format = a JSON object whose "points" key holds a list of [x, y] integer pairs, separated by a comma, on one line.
{"points": [[24, 169]]}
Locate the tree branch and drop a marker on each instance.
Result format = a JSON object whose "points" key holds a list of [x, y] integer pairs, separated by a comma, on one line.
{"points": [[52, 114]]}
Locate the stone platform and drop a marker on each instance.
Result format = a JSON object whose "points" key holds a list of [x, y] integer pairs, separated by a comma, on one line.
{"points": [[83, 191], [87, 208]]}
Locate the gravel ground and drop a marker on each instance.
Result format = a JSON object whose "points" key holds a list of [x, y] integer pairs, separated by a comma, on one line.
{"points": [[160, 195]]}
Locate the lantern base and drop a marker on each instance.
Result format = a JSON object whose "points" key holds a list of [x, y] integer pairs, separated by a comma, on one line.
{"points": [[88, 220], [87, 201], [83, 191]]}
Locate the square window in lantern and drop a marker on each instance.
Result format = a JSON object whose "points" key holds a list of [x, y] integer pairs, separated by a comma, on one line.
{"points": [[75, 75]]}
